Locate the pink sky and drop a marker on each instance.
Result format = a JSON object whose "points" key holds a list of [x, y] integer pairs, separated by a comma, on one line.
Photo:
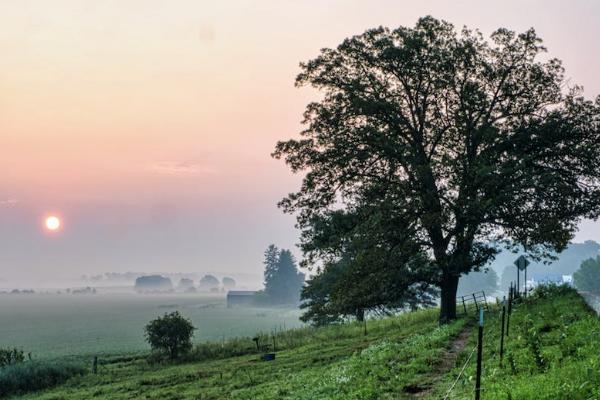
{"points": [[148, 124]]}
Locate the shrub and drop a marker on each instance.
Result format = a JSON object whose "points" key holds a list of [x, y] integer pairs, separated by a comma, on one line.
{"points": [[36, 375], [11, 356], [549, 291], [171, 334]]}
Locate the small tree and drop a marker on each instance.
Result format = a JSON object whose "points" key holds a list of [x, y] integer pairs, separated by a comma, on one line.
{"points": [[228, 283], [587, 277], [171, 333], [209, 282]]}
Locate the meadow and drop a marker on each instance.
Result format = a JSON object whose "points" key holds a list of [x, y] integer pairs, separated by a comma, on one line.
{"points": [[550, 353], [51, 325], [336, 362]]}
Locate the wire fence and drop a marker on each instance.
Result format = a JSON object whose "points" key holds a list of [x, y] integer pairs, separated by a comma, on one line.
{"points": [[462, 370]]}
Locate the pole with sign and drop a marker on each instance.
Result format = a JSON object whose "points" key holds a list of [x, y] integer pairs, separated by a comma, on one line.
{"points": [[521, 264]]}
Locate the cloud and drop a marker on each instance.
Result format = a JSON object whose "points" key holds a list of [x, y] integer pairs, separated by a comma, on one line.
{"points": [[178, 168], [8, 203]]}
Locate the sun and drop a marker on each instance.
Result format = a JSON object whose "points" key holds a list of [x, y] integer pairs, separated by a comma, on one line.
{"points": [[52, 223]]}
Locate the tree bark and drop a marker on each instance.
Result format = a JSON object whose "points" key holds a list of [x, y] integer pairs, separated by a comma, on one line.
{"points": [[360, 314], [448, 287]]}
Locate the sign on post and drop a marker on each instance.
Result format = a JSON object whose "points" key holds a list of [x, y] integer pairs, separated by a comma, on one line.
{"points": [[522, 263]]}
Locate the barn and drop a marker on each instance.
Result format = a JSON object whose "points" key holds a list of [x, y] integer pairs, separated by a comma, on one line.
{"points": [[244, 298]]}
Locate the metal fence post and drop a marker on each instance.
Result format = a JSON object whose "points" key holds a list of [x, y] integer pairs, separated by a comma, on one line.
{"points": [[502, 330], [479, 356]]}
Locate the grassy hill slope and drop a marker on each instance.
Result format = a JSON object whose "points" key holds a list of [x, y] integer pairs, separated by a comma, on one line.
{"points": [[552, 352], [337, 362]]}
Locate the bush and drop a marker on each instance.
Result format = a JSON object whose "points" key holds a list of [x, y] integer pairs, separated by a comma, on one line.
{"points": [[36, 375], [550, 290], [171, 334], [11, 356]]}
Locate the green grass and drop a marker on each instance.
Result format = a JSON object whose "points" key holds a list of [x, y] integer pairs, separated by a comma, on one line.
{"points": [[337, 362], [36, 375], [552, 352], [54, 326]]}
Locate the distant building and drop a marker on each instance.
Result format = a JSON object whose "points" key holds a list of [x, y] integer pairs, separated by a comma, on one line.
{"points": [[244, 298]]}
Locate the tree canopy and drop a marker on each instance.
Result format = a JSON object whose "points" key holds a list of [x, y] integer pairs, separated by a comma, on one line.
{"points": [[171, 333], [587, 277], [283, 281], [208, 282], [464, 144]]}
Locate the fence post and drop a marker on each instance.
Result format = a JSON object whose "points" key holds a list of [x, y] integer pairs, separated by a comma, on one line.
{"points": [[479, 356], [475, 300], [510, 300], [464, 305], [485, 301], [95, 365], [502, 331]]}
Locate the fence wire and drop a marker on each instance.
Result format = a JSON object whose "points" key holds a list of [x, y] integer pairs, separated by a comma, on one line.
{"points": [[447, 396]]}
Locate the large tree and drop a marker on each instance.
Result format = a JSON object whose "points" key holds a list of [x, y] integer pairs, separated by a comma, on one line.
{"points": [[474, 142]]}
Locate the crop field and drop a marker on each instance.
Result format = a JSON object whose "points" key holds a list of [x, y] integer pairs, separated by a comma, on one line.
{"points": [[52, 325]]}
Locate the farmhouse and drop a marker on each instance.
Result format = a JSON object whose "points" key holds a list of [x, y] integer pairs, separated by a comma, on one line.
{"points": [[240, 298]]}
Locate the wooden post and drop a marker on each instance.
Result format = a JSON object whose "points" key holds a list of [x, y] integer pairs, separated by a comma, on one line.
{"points": [[274, 347], [95, 365], [502, 330], [476, 305], [518, 282], [464, 305], [365, 320], [479, 356]]}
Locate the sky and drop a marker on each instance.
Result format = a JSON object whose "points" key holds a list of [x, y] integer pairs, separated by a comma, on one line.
{"points": [[147, 126]]}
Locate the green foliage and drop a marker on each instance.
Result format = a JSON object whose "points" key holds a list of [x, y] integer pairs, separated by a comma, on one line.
{"points": [[283, 282], [458, 143], [587, 277], [108, 325], [348, 287], [36, 375], [171, 334], [476, 281], [551, 351], [11, 356], [311, 363]]}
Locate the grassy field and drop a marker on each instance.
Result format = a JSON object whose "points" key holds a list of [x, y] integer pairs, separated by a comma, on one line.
{"points": [[552, 352], [53, 326], [337, 362]]}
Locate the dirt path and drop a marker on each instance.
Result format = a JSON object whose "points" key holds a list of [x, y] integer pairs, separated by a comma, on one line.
{"points": [[448, 361]]}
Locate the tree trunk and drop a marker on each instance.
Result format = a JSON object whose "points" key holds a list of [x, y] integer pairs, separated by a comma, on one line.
{"points": [[448, 286], [360, 314]]}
